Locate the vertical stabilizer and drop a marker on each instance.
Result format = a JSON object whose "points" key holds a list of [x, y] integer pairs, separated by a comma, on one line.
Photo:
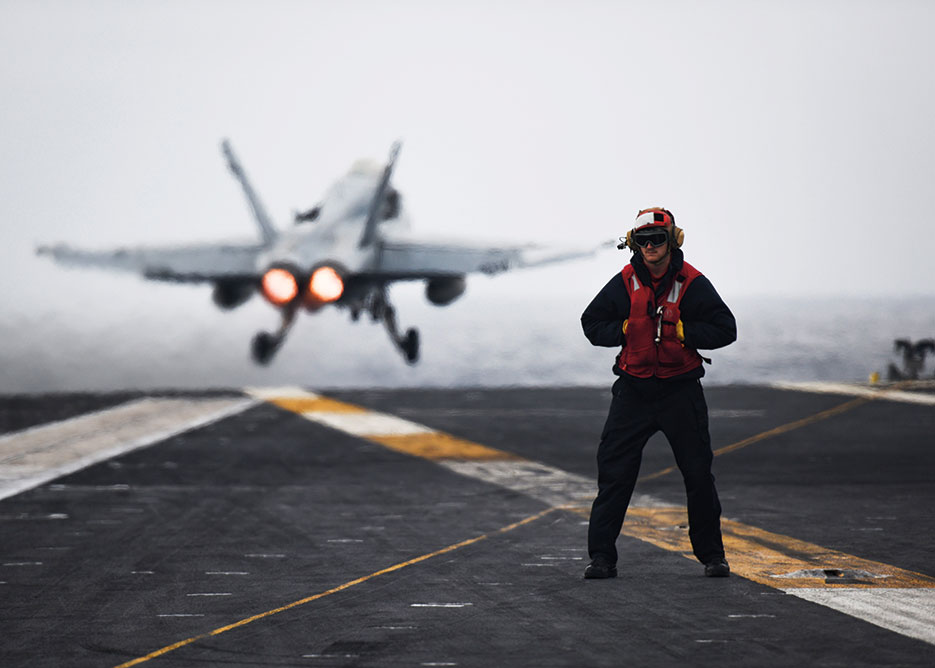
{"points": [[370, 227], [267, 230]]}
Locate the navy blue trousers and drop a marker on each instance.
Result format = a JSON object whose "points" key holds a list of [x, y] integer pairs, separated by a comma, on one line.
{"points": [[639, 409]]}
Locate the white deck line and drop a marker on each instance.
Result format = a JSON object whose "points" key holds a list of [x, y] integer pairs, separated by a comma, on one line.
{"points": [[39, 454], [293, 392], [909, 612], [540, 481], [857, 391], [367, 424]]}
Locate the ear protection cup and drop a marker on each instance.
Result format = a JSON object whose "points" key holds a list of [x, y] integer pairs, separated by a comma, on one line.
{"points": [[678, 236]]}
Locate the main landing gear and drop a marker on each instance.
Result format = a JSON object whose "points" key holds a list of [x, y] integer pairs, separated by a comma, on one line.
{"points": [[408, 344], [265, 345]]}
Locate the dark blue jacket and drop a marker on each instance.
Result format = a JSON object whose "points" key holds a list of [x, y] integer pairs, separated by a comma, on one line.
{"points": [[707, 321]]}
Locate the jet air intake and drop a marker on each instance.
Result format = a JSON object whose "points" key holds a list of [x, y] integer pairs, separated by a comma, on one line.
{"points": [[442, 291], [231, 294]]}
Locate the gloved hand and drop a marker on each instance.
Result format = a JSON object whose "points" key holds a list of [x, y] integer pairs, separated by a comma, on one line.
{"points": [[672, 321], [625, 325]]}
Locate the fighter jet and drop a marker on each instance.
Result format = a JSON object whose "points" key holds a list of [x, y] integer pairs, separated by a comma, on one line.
{"points": [[344, 252]]}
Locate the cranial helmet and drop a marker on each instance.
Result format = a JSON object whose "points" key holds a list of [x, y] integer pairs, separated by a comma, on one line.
{"points": [[656, 217]]}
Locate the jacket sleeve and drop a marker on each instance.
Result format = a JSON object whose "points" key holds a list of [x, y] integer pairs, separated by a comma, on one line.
{"points": [[602, 320], [707, 320]]}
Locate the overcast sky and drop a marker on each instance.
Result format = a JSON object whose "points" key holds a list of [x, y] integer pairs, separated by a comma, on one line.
{"points": [[794, 141]]}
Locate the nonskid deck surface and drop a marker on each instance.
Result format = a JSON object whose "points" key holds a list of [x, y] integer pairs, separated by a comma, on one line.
{"points": [[297, 527]]}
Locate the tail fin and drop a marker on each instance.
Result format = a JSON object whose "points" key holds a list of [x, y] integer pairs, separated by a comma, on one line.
{"points": [[267, 230], [371, 225]]}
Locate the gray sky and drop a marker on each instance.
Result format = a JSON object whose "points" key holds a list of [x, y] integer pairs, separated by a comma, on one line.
{"points": [[794, 141]]}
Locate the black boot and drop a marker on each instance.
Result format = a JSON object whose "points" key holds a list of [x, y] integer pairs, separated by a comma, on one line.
{"points": [[599, 568], [717, 568]]}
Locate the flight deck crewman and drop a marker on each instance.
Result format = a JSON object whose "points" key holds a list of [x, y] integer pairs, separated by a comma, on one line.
{"points": [[661, 310]]}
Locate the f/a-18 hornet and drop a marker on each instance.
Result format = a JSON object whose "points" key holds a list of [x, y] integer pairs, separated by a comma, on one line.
{"points": [[344, 252]]}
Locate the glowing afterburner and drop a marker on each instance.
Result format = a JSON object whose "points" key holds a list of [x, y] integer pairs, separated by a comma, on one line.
{"points": [[326, 285], [279, 286]]}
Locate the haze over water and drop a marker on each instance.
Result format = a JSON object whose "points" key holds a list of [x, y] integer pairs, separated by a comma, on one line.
{"points": [[166, 336]]}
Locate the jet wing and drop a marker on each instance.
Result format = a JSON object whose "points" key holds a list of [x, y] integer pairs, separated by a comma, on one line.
{"points": [[418, 258], [190, 263]]}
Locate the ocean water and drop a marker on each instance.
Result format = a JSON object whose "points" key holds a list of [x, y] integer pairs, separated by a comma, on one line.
{"points": [[155, 336]]}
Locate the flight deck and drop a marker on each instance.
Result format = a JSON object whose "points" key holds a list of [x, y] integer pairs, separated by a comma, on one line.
{"points": [[447, 527]]}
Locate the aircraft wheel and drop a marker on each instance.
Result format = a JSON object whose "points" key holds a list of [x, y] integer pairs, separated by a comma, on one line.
{"points": [[410, 346], [263, 347]]}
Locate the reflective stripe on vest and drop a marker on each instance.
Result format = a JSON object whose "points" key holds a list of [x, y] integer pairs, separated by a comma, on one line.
{"points": [[674, 292]]}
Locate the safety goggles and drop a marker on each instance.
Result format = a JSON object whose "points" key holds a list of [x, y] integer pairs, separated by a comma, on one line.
{"points": [[654, 239]]}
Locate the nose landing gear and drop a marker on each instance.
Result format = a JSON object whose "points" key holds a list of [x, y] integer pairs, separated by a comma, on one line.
{"points": [[264, 345]]}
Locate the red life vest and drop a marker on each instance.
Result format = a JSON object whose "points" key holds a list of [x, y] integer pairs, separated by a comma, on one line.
{"points": [[652, 347]]}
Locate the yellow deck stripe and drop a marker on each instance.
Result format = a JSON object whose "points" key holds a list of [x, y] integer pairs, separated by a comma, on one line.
{"points": [[782, 429], [765, 557], [315, 404], [438, 445], [431, 444], [314, 597]]}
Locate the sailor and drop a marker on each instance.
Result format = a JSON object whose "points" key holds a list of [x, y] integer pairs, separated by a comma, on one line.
{"points": [[661, 311]]}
